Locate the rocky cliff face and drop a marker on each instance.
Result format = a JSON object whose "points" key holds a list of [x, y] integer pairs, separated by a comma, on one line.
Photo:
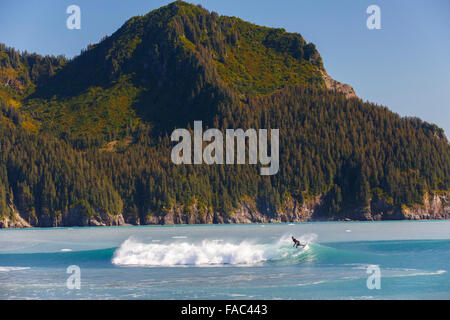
{"points": [[71, 218], [334, 85], [435, 207]]}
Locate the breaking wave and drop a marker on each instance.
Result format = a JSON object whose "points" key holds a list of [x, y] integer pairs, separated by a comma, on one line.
{"points": [[208, 252]]}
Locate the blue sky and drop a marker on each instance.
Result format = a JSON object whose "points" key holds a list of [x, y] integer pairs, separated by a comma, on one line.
{"points": [[404, 66]]}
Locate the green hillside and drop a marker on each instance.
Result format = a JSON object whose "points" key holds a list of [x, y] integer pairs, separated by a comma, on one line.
{"points": [[169, 58]]}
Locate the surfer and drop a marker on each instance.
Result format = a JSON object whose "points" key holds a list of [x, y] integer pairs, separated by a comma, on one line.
{"points": [[297, 243]]}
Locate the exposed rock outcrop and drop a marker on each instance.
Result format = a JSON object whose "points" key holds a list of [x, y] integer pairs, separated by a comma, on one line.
{"points": [[74, 217], [334, 85], [434, 207], [14, 219], [13, 222]]}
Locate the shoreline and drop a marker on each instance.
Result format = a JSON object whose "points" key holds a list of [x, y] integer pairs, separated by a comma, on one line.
{"points": [[434, 207], [127, 225]]}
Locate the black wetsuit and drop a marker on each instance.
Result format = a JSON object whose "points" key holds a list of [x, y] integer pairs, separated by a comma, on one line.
{"points": [[296, 242]]}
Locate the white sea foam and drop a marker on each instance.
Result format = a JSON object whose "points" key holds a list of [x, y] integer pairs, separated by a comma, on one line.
{"points": [[311, 283], [206, 252], [431, 273], [7, 269]]}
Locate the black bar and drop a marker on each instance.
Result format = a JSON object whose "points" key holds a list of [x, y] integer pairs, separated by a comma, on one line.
{"points": [[223, 309]]}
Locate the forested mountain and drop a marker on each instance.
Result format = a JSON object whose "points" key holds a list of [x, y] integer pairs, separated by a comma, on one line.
{"points": [[20, 72], [86, 141]]}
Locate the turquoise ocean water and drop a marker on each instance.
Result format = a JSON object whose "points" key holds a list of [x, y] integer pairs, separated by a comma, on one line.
{"points": [[229, 261]]}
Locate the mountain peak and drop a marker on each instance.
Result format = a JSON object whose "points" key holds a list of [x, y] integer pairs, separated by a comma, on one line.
{"points": [[181, 58]]}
